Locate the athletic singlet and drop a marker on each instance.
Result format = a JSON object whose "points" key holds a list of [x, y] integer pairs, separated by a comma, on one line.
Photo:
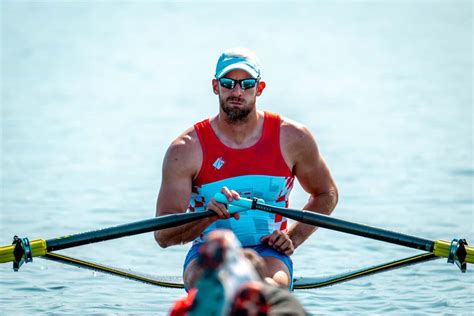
{"points": [[258, 171]]}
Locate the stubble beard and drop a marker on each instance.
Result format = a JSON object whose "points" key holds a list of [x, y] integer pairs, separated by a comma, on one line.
{"points": [[234, 114]]}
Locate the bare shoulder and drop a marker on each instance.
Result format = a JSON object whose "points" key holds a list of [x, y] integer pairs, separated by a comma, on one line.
{"points": [[187, 142], [184, 153], [300, 148], [294, 136]]}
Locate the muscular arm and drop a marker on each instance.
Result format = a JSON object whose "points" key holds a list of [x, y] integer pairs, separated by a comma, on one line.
{"points": [[180, 166], [301, 150]]}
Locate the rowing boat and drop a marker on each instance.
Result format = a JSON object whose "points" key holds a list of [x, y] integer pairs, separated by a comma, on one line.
{"points": [[22, 250]]}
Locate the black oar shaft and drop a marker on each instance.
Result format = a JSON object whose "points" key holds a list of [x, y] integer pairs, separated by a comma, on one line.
{"points": [[134, 228], [350, 227]]}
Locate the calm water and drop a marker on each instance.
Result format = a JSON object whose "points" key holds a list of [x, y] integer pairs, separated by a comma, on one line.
{"points": [[93, 93]]}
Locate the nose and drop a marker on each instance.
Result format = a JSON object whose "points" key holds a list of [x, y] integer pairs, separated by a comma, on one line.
{"points": [[237, 90]]}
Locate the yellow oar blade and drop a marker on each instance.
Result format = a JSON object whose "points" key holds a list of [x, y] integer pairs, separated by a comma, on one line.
{"points": [[38, 248], [442, 248]]}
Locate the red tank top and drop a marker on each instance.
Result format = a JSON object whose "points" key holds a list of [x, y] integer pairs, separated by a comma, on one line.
{"points": [[258, 171], [262, 158]]}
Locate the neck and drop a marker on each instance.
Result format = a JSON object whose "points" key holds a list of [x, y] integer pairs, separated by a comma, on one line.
{"points": [[239, 134]]}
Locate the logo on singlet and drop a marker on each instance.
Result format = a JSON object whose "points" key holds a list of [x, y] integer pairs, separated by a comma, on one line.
{"points": [[218, 163]]}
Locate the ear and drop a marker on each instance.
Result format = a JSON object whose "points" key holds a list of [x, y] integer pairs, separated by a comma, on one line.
{"points": [[260, 87], [215, 86]]}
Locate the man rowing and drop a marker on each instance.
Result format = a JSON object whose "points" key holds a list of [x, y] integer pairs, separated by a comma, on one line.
{"points": [[246, 152]]}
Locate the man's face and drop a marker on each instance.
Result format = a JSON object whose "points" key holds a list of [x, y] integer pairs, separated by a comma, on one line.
{"points": [[237, 103]]}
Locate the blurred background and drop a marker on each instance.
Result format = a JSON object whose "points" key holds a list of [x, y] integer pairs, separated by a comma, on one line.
{"points": [[93, 92]]}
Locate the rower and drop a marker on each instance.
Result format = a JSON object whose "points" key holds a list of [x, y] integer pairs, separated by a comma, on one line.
{"points": [[243, 152]]}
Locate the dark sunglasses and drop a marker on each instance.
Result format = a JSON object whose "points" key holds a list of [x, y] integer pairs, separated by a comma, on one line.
{"points": [[244, 83]]}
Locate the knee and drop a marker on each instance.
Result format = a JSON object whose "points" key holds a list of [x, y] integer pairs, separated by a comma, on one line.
{"points": [[281, 279], [278, 272]]}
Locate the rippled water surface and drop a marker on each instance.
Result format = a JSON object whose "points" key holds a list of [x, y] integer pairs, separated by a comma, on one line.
{"points": [[93, 93]]}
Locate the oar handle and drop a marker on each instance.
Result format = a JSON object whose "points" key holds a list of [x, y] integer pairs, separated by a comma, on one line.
{"points": [[242, 203]]}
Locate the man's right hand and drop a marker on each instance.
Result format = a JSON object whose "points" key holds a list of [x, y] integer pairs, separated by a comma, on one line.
{"points": [[221, 209]]}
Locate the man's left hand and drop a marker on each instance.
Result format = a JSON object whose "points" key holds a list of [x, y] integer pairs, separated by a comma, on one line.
{"points": [[280, 241]]}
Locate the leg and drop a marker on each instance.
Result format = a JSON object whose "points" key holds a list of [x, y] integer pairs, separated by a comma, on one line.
{"points": [[191, 269], [191, 274], [278, 271], [278, 267]]}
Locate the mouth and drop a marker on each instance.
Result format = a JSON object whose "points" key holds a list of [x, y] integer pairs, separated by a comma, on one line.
{"points": [[235, 101]]}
